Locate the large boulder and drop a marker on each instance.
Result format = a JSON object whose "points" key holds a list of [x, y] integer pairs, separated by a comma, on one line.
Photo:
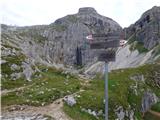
{"points": [[148, 100]]}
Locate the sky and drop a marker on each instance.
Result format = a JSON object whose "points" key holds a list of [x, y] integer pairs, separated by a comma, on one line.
{"points": [[37, 12]]}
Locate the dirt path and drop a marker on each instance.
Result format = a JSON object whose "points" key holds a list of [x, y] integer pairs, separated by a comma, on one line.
{"points": [[155, 113], [54, 110], [3, 92], [24, 112]]}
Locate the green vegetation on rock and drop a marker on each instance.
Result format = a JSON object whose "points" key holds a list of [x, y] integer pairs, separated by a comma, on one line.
{"points": [[138, 46], [72, 18], [59, 28], [7, 81], [132, 39], [156, 50], [35, 36]]}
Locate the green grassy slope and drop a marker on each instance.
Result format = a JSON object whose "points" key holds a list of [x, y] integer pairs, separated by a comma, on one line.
{"points": [[121, 93], [50, 86]]}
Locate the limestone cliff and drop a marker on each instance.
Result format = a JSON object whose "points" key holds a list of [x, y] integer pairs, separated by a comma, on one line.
{"points": [[146, 30], [59, 41], [59, 44]]}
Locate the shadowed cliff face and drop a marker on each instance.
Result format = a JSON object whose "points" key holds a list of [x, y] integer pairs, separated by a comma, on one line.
{"points": [[147, 29]]}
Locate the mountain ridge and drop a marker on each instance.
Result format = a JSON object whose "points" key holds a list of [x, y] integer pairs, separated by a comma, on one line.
{"points": [[43, 63]]}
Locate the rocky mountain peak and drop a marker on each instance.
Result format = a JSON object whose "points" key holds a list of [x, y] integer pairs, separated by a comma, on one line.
{"points": [[146, 30], [87, 10], [153, 13], [64, 41], [155, 8]]}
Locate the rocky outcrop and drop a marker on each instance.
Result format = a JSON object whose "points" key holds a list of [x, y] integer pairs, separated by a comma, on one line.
{"points": [[123, 114], [147, 29], [71, 43], [148, 100], [70, 100]]}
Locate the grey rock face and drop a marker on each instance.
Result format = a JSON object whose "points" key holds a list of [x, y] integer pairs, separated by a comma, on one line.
{"points": [[87, 10], [124, 59], [92, 112], [2, 61], [70, 100], [148, 100], [138, 77], [58, 42], [131, 115], [120, 113], [7, 52], [27, 71], [14, 67], [147, 28], [15, 76]]}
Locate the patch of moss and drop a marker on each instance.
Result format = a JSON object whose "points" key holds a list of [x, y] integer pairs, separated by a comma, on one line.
{"points": [[138, 46], [156, 107]]}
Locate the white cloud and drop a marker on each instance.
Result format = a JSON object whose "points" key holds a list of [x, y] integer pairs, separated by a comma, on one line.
{"points": [[32, 12]]}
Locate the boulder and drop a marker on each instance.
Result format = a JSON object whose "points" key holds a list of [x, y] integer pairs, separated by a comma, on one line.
{"points": [[70, 100], [148, 100]]}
